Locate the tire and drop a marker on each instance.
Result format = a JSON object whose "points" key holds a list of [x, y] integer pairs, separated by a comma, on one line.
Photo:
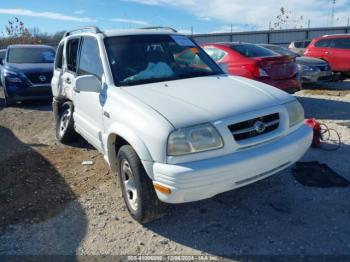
{"points": [[8, 101], [346, 74], [137, 188], [65, 131]]}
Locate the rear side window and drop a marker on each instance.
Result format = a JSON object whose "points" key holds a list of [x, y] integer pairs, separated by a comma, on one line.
{"points": [[90, 62], [59, 58], [215, 53], [341, 43], [72, 54], [250, 50], [323, 43]]}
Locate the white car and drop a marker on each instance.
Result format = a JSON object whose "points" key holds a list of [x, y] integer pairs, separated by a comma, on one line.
{"points": [[168, 120]]}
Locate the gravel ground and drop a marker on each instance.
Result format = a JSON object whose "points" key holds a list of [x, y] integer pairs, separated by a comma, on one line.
{"points": [[52, 204]]}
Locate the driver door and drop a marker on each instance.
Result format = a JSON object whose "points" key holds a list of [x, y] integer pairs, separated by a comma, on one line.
{"points": [[88, 106]]}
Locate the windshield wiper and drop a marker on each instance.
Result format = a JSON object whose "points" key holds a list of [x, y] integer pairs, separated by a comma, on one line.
{"points": [[148, 81], [197, 74]]}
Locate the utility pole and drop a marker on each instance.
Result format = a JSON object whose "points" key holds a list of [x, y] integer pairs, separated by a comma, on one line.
{"points": [[348, 22], [333, 9], [191, 30], [308, 23], [231, 28]]}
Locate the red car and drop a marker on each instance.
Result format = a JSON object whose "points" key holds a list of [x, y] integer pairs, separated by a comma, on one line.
{"points": [[258, 63], [335, 49]]}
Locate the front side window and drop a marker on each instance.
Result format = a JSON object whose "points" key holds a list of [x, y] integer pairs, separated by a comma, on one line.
{"points": [[31, 55], [90, 62], [140, 59], [341, 43], [2, 54], [323, 43], [251, 50], [215, 53], [72, 54]]}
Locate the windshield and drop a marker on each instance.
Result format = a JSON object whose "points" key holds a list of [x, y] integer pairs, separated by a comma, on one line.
{"points": [[281, 50], [251, 50], [140, 59], [29, 55]]}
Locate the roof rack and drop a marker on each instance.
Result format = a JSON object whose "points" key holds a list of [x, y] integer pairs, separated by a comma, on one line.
{"points": [[93, 29], [159, 28]]}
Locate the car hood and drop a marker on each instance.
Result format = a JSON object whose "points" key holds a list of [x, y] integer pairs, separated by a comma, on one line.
{"points": [[30, 68], [304, 60], [203, 99]]}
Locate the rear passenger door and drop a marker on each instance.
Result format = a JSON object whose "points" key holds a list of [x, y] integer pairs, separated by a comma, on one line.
{"points": [[70, 67], [88, 106], [56, 83]]}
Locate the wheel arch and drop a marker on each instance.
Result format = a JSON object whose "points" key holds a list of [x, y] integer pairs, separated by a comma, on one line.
{"points": [[119, 136]]}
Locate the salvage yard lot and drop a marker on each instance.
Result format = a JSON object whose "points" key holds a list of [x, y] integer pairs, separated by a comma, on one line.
{"points": [[52, 204]]}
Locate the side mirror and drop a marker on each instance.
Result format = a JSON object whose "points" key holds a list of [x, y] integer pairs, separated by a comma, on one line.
{"points": [[1, 61], [88, 83], [224, 67]]}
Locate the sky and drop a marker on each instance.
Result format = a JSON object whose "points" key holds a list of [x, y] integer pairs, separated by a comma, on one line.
{"points": [[203, 16]]}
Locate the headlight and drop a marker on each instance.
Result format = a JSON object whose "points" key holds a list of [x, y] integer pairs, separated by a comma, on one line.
{"points": [[193, 140], [307, 68], [295, 113], [11, 76]]}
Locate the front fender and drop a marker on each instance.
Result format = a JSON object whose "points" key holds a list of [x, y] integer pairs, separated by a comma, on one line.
{"points": [[118, 130]]}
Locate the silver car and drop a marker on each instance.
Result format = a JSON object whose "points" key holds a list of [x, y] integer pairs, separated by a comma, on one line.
{"points": [[310, 69]]}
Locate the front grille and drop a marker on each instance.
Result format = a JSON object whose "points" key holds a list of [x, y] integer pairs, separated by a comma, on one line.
{"points": [[40, 78], [255, 127]]}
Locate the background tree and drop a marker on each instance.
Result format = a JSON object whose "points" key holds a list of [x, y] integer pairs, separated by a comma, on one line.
{"points": [[287, 20]]}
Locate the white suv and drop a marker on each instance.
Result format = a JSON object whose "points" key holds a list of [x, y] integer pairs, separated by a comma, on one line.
{"points": [[168, 120]]}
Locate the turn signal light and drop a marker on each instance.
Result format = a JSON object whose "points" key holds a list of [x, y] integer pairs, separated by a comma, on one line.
{"points": [[162, 189]]}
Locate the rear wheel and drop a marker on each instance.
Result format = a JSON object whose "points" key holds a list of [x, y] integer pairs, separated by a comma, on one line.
{"points": [[65, 131], [137, 188]]}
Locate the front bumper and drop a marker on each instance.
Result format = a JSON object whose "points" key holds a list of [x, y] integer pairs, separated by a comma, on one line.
{"points": [[24, 91], [313, 77], [206, 178]]}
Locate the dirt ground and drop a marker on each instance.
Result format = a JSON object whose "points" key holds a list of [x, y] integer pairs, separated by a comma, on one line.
{"points": [[52, 204]]}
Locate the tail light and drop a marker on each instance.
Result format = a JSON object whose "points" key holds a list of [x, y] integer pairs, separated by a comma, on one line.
{"points": [[256, 71]]}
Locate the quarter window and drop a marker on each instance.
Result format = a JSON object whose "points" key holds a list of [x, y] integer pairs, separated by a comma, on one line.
{"points": [[72, 54], [59, 57], [90, 62]]}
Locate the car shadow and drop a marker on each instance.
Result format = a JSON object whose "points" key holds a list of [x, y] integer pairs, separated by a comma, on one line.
{"points": [[321, 108], [341, 85], [41, 105], [33, 194], [275, 216]]}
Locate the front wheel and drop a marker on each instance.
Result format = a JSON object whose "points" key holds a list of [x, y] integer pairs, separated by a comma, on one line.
{"points": [[65, 131], [8, 100], [137, 188]]}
